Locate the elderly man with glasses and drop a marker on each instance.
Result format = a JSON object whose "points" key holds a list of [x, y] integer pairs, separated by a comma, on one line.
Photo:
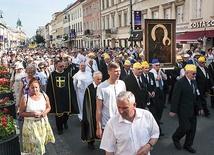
{"points": [[185, 103]]}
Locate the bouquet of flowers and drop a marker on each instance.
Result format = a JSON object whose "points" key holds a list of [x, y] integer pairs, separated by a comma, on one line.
{"points": [[4, 85], [7, 124], [4, 71], [5, 101]]}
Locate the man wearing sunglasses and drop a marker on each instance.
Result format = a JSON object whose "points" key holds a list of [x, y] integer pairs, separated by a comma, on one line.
{"points": [[159, 92], [60, 90], [185, 103]]}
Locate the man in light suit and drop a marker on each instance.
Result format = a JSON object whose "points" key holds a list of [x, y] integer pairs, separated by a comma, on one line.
{"points": [[185, 104]]}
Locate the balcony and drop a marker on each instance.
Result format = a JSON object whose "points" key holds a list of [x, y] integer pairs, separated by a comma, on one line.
{"points": [[88, 32], [111, 31]]}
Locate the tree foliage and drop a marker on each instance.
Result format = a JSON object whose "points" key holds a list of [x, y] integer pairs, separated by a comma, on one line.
{"points": [[39, 39]]}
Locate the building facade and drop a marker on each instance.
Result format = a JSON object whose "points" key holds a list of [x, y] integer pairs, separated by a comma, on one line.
{"points": [[91, 23], [108, 22]]}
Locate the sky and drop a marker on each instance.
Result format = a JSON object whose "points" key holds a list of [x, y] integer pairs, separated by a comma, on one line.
{"points": [[32, 13]]}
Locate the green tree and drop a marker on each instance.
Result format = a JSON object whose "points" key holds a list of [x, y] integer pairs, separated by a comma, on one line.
{"points": [[39, 39]]}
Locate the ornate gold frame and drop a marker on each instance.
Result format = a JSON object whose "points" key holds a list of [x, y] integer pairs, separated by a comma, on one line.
{"points": [[163, 49]]}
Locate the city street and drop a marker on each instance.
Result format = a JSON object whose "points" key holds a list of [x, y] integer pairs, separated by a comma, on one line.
{"points": [[70, 142]]}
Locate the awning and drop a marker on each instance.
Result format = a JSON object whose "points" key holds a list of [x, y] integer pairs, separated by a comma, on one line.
{"points": [[137, 36], [192, 36]]}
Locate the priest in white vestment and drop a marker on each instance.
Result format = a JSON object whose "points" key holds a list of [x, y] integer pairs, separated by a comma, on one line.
{"points": [[81, 81]]}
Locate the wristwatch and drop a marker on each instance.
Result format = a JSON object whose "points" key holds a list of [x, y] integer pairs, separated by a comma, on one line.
{"points": [[150, 145]]}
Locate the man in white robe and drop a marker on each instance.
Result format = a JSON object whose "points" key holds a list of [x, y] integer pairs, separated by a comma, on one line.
{"points": [[81, 81]]}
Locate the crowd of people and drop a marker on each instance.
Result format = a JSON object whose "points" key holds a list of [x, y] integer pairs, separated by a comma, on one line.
{"points": [[112, 91]]}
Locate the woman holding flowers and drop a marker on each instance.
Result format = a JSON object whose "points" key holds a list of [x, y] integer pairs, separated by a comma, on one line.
{"points": [[36, 130]]}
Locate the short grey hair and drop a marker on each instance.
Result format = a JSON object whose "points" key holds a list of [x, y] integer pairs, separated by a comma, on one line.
{"points": [[126, 95], [96, 73], [31, 67]]}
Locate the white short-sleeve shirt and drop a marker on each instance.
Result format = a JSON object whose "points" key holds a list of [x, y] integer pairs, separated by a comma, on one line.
{"points": [[107, 93], [124, 137]]}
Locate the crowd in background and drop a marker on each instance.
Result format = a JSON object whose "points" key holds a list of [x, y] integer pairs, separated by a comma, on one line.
{"points": [[81, 64]]}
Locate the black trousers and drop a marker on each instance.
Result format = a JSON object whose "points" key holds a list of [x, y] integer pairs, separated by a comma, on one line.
{"points": [[152, 109], [187, 126], [60, 121], [160, 101], [204, 104]]}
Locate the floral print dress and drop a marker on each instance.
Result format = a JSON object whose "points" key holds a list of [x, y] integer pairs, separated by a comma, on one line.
{"points": [[36, 131]]}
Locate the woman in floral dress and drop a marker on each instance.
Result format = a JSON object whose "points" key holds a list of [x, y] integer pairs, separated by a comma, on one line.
{"points": [[36, 130]]}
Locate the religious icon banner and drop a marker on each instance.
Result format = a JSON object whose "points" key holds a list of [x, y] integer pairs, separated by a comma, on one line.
{"points": [[160, 40]]}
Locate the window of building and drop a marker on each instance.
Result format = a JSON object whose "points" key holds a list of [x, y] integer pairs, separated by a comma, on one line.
{"points": [[167, 13], [98, 23], [69, 18], [84, 26], [155, 15], [80, 26], [120, 20], [107, 3], [86, 11], [179, 14], [125, 19], [94, 7], [80, 13], [98, 6], [103, 4], [112, 21], [90, 10], [91, 25], [87, 26], [112, 2], [197, 8], [103, 23], [107, 20], [95, 25]]}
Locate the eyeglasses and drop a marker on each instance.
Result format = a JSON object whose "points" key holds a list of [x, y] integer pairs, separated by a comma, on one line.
{"points": [[193, 74]]}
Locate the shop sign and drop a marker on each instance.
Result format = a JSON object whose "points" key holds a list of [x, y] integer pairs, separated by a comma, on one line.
{"points": [[202, 24]]}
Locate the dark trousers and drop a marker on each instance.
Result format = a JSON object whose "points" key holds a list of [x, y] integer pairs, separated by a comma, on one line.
{"points": [[212, 101], [171, 91], [153, 111], [187, 126], [60, 121], [204, 104], [159, 99]]}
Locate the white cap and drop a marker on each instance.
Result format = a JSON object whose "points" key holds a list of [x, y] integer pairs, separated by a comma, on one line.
{"points": [[18, 66], [186, 55]]}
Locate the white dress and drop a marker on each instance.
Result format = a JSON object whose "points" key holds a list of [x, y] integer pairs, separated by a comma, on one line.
{"points": [[36, 132]]}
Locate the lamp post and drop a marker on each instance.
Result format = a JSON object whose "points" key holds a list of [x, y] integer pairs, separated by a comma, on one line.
{"points": [[131, 24]]}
